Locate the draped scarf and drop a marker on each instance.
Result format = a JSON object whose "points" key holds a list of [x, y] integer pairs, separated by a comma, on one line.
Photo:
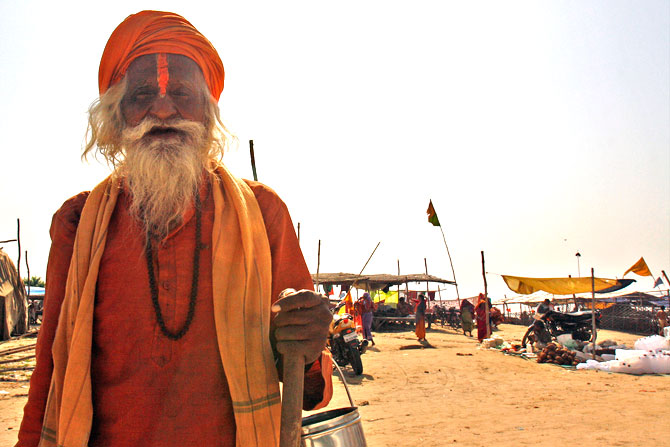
{"points": [[242, 280]]}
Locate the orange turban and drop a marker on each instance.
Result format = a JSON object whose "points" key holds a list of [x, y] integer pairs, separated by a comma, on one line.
{"points": [[150, 32]]}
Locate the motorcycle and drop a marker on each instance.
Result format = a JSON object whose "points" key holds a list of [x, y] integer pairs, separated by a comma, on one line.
{"points": [[344, 343], [550, 325]]}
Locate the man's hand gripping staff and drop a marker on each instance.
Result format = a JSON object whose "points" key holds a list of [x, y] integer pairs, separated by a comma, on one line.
{"points": [[300, 328], [301, 323]]}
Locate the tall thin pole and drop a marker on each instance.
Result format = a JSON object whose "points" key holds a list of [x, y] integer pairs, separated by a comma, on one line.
{"points": [[253, 159], [593, 311], [452, 265], [398, 283], [426, 264], [486, 299], [298, 232], [28, 270], [318, 265], [18, 239], [366, 262]]}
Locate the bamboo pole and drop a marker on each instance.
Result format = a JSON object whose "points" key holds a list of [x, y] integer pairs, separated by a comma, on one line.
{"points": [[253, 159], [425, 263], [318, 265], [458, 296], [18, 238], [28, 272], [398, 283], [593, 311], [486, 299], [366, 262]]}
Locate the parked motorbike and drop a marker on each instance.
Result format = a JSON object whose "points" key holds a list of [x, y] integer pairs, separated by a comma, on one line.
{"points": [[344, 343], [550, 325]]}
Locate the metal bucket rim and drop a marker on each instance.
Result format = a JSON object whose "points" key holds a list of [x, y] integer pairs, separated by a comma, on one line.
{"points": [[346, 419]]}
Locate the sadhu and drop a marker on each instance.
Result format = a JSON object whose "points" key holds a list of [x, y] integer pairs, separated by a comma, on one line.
{"points": [[163, 324]]}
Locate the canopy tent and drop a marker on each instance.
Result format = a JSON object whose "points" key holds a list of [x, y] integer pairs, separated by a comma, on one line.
{"points": [[564, 286], [656, 298], [373, 282]]}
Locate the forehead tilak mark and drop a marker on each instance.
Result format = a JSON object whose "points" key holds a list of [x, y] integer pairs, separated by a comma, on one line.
{"points": [[162, 73]]}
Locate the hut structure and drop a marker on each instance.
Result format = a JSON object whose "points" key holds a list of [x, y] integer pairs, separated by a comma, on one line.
{"points": [[374, 282], [13, 302]]}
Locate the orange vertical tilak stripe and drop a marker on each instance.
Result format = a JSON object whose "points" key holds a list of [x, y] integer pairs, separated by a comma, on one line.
{"points": [[162, 72]]}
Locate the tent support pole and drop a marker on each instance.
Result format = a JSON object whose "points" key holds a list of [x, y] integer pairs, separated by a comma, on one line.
{"points": [[318, 265], [489, 332], [593, 311]]}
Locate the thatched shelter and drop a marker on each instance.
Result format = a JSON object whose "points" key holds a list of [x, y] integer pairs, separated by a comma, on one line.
{"points": [[373, 282]]}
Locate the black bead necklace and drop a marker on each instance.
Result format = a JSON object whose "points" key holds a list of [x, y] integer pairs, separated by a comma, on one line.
{"points": [[194, 283]]}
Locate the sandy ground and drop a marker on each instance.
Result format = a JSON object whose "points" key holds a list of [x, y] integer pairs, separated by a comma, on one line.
{"points": [[450, 392]]}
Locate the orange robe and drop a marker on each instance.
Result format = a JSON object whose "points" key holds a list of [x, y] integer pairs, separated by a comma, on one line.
{"points": [[149, 390]]}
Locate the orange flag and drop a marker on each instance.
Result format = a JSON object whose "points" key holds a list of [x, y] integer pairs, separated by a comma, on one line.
{"points": [[640, 268]]}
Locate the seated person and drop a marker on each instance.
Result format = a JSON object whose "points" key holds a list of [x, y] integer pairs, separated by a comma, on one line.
{"points": [[403, 308]]}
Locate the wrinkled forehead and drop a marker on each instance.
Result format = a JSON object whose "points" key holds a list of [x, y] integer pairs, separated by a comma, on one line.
{"points": [[150, 69]]}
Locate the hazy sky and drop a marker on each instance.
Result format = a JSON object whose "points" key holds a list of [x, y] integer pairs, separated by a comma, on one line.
{"points": [[538, 129]]}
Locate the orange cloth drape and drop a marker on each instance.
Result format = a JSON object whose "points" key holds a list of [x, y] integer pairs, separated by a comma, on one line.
{"points": [[149, 32], [420, 330]]}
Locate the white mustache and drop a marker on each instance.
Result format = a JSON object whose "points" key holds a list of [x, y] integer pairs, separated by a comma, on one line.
{"points": [[192, 130]]}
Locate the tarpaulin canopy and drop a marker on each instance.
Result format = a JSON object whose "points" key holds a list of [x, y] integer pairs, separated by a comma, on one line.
{"points": [[563, 286]]}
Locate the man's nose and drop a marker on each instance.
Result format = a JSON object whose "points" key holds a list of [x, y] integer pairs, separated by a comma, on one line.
{"points": [[163, 108]]}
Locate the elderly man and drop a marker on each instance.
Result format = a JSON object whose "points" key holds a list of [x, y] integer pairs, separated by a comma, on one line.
{"points": [[163, 321]]}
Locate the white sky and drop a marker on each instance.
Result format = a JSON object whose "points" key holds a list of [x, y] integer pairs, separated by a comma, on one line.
{"points": [[538, 129]]}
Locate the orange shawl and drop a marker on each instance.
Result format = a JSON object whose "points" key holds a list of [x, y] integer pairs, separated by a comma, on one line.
{"points": [[242, 282]]}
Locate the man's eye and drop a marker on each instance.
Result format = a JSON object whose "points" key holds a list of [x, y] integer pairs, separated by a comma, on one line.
{"points": [[142, 95], [181, 93]]}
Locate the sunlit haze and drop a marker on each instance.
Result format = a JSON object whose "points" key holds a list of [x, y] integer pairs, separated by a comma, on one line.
{"points": [[538, 129]]}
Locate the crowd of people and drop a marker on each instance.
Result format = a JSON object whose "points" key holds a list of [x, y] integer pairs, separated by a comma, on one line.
{"points": [[469, 315]]}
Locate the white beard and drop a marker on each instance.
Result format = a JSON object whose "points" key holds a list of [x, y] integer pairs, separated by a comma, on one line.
{"points": [[163, 175]]}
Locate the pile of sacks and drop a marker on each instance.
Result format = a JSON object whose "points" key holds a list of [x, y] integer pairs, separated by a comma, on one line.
{"points": [[650, 356]]}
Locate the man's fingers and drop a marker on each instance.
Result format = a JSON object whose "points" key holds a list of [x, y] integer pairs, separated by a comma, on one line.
{"points": [[302, 299]]}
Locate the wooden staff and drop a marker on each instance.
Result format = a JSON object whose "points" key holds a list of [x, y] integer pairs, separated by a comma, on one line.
{"points": [[291, 405], [293, 369]]}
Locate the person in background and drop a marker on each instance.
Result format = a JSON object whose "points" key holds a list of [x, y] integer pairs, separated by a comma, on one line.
{"points": [[483, 330], [662, 317], [420, 318], [403, 308], [544, 307], [365, 307], [467, 312]]}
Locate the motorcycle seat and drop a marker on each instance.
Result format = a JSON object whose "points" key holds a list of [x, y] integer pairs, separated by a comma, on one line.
{"points": [[571, 317]]}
